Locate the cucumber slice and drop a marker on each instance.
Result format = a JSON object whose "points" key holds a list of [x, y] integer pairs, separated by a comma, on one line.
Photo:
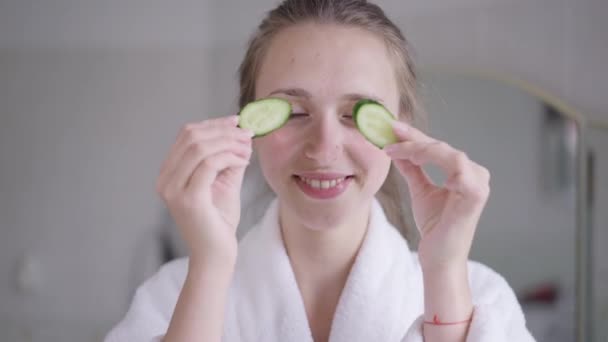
{"points": [[374, 122], [265, 115]]}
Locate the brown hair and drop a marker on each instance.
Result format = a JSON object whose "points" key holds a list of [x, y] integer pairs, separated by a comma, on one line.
{"points": [[357, 13]]}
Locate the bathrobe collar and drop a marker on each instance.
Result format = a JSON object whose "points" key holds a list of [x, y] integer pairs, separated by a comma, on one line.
{"points": [[375, 304]]}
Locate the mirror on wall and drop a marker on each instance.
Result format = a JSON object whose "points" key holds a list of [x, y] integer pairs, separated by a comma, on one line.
{"points": [[536, 228], [597, 156]]}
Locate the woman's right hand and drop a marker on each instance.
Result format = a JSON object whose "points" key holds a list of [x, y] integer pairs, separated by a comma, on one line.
{"points": [[200, 183]]}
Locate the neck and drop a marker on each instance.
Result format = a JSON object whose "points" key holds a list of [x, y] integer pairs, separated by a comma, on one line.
{"points": [[321, 262], [324, 256]]}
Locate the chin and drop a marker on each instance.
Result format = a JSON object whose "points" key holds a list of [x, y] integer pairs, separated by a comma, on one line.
{"points": [[322, 216], [321, 224]]}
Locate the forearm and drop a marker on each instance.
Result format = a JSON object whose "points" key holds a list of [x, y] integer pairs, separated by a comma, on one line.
{"points": [[447, 298], [199, 312]]}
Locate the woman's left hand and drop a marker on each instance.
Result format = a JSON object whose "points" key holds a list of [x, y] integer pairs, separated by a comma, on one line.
{"points": [[447, 215]]}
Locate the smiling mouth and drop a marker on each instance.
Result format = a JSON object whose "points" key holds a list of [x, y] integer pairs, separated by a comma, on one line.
{"points": [[323, 183], [323, 189]]}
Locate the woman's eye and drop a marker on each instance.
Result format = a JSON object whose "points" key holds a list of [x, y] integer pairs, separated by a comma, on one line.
{"points": [[297, 115], [349, 118]]}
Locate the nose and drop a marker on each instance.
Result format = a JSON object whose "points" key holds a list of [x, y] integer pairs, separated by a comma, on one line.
{"points": [[325, 140]]}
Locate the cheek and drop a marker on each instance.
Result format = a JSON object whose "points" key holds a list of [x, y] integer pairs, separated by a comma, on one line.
{"points": [[275, 150], [368, 155], [374, 164]]}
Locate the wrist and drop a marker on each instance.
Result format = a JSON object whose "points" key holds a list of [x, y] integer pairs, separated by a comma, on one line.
{"points": [[444, 266], [447, 294], [218, 264], [450, 273], [214, 252]]}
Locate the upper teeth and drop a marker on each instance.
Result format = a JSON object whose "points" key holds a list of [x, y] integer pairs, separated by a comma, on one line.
{"points": [[322, 184]]}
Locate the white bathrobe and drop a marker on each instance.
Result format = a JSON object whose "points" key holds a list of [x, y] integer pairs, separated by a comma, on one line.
{"points": [[382, 300]]}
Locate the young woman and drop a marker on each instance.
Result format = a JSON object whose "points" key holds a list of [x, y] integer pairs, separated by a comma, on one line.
{"points": [[324, 263]]}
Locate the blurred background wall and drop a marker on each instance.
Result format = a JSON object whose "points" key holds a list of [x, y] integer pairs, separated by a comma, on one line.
{"points": [[92, 94]]}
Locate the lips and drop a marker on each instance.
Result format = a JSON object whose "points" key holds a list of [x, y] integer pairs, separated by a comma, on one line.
{"points": [[323, 184], [323, 189]]}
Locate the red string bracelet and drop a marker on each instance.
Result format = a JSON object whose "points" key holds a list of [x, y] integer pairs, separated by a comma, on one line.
{"points": [[437, 322]]}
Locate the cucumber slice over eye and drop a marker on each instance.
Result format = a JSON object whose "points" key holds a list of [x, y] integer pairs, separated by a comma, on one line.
{"points": [[265, 115], [374, 121]]}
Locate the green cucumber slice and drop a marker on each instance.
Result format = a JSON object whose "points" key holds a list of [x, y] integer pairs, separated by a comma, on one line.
{"points": [[265, 115], [374, 121]]}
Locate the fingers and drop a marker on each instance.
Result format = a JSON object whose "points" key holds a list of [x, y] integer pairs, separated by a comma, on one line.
{"points": [[208, 169], [417, 180], [198, 139], [420, 153], [202, 137], [191, 131], [463, 175], [475, 184], [403, 131], [194, 132], [200, 151], [227, 121]]}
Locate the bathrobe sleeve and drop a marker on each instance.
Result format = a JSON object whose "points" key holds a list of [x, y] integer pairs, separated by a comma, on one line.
{"points": [[497, 315], [150, 312]]}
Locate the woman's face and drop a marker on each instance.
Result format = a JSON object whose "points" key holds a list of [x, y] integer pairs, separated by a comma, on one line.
{"points": [[322, 70]]}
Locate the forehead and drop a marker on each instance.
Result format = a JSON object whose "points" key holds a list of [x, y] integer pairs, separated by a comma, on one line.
{"points": [[327, 60]]}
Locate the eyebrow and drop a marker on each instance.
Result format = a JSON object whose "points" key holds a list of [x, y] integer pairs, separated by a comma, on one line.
{"points": [[356, 97], [295, 92], [299, 92]]}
